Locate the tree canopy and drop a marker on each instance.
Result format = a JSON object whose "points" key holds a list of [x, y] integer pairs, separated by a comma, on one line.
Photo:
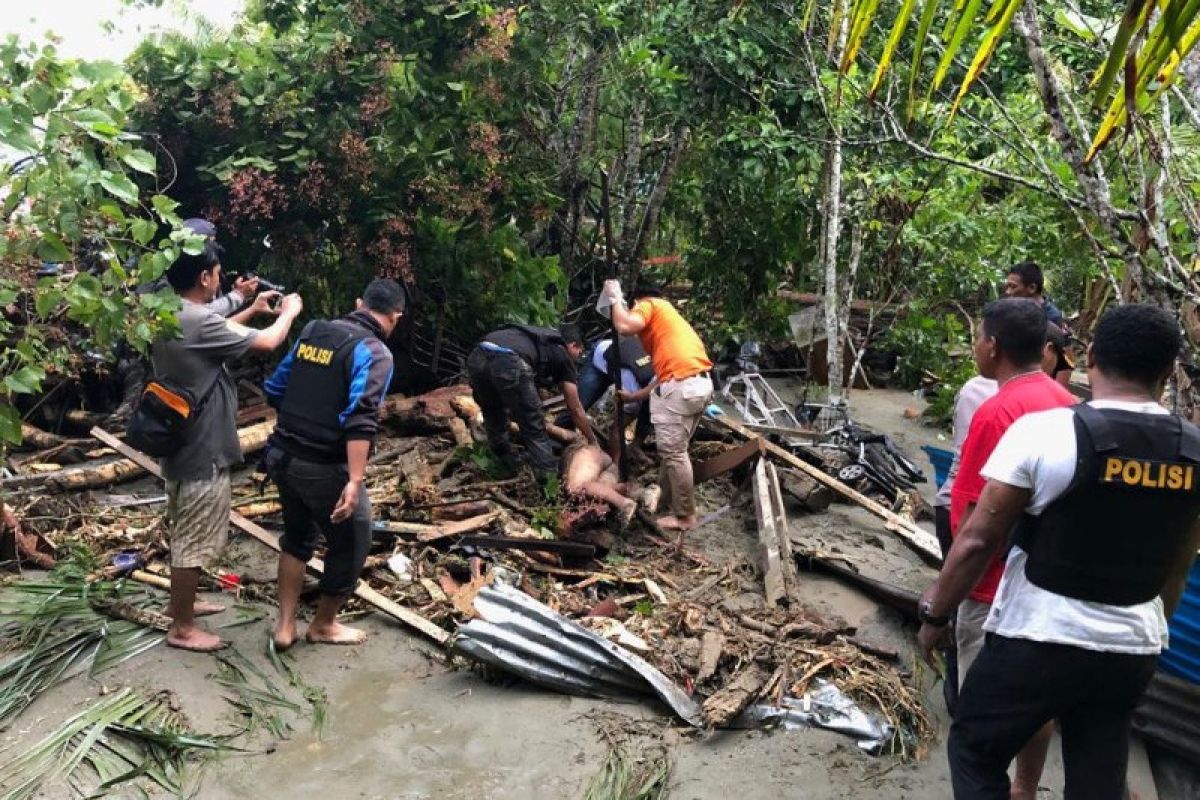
{"points": [[904, 152]]}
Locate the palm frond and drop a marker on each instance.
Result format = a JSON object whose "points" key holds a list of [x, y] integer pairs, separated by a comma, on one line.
{"points": [[59, 628], [117, 739], [316, 696], [623, 776], [258, 701]]}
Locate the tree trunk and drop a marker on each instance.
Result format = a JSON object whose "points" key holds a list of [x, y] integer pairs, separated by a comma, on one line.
{"points": [[832, 207], [658, 196], [630, 172], [579, 144]]}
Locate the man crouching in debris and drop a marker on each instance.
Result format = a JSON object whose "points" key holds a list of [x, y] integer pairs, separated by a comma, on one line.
{"points": [[589, 471], [505, 369], [328, 392], [197, 475]]}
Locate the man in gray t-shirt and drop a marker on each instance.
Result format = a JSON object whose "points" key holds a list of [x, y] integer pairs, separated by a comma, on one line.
{"points": [[198, 484]]}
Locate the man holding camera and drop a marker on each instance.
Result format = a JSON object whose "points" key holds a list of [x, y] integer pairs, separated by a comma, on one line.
{"points": [[198, 473]]}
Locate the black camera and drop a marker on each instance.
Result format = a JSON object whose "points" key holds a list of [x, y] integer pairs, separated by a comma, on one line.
{"points": [[267, 285]]}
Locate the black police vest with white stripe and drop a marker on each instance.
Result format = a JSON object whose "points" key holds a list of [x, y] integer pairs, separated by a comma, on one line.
{"points": [[1123, 523], [318, 391]]}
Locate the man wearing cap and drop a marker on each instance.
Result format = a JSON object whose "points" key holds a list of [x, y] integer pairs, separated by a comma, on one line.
{"points": [[505, 370], [684, 388]]}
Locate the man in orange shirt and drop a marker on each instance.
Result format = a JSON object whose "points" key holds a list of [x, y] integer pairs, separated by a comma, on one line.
{"points": [[684, 389]]}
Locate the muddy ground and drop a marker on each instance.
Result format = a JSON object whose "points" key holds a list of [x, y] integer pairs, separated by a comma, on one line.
{"points": [[404, 723]]}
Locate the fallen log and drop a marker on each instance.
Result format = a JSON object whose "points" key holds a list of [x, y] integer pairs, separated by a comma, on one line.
{"points": [[919, 540], [106, 473], [34, 438], [315, 565]]}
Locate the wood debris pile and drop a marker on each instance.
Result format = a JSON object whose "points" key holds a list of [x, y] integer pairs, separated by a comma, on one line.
{"points": [[447, 525]]}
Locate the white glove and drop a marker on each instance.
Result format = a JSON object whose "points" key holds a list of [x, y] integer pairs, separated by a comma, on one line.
{"points": [[610, 295]]}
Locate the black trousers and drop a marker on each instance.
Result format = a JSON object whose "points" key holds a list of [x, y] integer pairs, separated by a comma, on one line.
{"points": [[1016, 686], [503, 385], [308, 492]]}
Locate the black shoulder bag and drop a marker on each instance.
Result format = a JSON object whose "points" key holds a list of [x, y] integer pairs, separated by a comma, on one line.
{"points": [[165, 417]]}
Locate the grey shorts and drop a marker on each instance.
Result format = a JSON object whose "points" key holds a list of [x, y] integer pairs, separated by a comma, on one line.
{"points": [[199, 516], [969, 634]]}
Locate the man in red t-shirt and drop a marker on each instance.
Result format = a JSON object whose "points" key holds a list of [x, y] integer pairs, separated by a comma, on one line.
{"points": [[1008, 348]]}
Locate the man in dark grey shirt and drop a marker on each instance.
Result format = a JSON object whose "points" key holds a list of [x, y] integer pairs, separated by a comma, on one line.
{"points": [[198, 485]]}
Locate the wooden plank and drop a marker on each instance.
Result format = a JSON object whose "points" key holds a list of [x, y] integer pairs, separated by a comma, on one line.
{"points": [[316, 565], [920, 541], [787, 562], [769, 558], [729, 460], [458, 528], [571, 549], [799, 433]]}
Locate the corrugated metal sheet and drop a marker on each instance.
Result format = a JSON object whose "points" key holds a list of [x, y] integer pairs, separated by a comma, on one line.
{"points": [[518, 634], [1169, 714], [1183, 658]]}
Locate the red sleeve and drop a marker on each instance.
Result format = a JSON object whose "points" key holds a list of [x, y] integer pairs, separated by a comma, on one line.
{"points": [[983, 436]]}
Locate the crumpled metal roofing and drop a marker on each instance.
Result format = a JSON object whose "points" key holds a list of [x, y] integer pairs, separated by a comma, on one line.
{"points": [[1169, 714], [518, 634]]}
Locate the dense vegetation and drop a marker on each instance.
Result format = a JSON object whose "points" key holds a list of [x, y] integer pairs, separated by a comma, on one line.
{"points": [[463, 147]]}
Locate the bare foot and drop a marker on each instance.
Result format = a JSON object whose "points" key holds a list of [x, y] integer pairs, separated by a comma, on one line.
{"points": [[201, 608], [196, 640], [336, 633], [672, 523], [1017, 792], [285, 636]]}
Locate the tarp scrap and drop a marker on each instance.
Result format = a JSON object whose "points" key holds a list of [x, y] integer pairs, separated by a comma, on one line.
{"points": [[824, 706]]}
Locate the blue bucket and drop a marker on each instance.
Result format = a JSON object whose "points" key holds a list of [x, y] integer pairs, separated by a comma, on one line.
{"points": [[941, 460], [1183, 658]]}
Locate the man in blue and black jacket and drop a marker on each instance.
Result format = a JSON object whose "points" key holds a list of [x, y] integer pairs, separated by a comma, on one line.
{"points": [[328, 392]]}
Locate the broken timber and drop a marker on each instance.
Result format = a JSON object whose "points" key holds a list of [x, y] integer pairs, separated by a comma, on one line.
{"points": [[775, 549], [920, 541], [94, 476], [361, 590]]}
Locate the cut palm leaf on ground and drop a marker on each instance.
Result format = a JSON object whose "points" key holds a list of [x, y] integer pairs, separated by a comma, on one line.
{"points": [[117, 739], [60, 629]]}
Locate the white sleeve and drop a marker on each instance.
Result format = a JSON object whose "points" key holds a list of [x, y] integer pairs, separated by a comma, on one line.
{"points": [[1015, 459]]}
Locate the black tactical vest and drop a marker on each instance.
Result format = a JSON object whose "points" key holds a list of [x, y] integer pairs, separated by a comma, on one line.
{"points": [[633, 358], [318, 390], [543, 339], [1123, 523]]}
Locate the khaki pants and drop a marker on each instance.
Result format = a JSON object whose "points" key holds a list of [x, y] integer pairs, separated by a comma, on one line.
{"points": [[969, 634], [675, 409], [199, 515]]}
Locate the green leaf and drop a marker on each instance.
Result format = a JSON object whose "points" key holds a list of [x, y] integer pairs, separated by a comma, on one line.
{"points": [[45, 300], [120, 187], [26, 380], [10, 424], [51, 248], [140, 160], [454, 86], [164, 207], [143, 230]]}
